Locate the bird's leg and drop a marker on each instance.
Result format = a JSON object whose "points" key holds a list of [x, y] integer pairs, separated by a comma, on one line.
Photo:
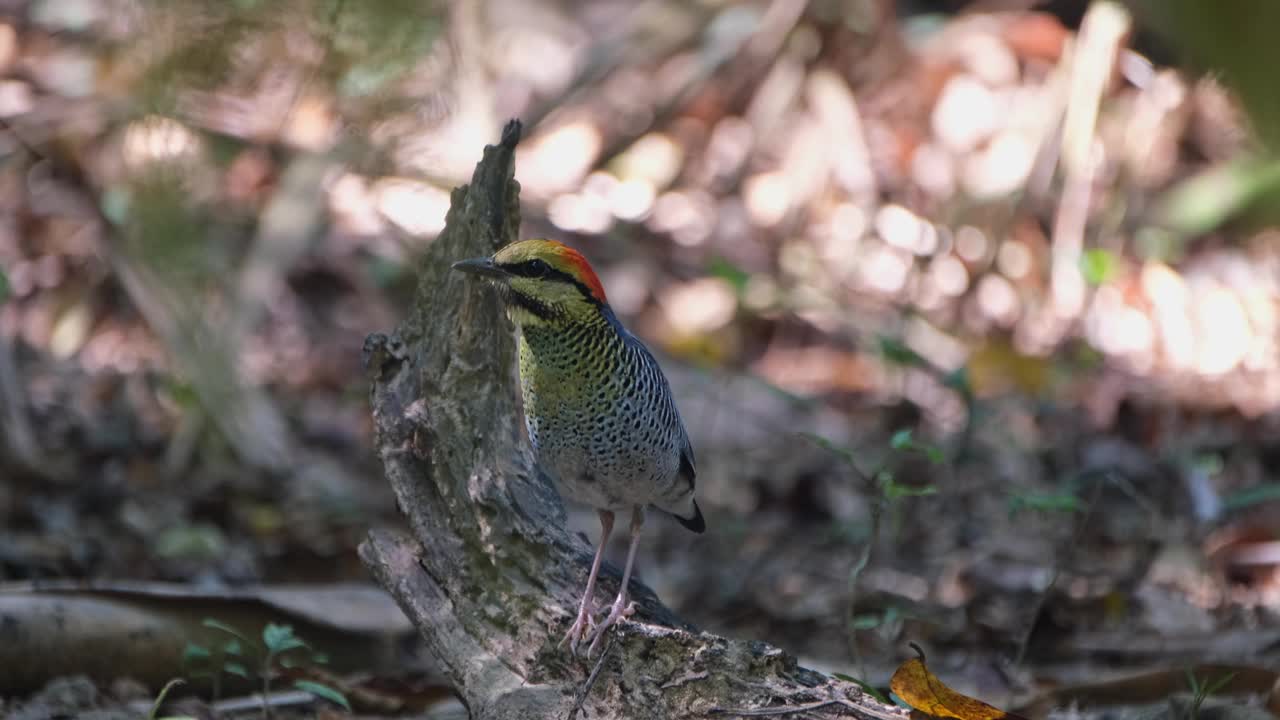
{"points": [[621, 608], [585, 622]]}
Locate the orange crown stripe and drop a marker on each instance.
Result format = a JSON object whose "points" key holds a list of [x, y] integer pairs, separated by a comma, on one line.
{"points": [[578, 266]]}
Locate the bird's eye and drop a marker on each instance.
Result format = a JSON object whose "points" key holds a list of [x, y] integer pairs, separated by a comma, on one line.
{"points": [[540, 268]]}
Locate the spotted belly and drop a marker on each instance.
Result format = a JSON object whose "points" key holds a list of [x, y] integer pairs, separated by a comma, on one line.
{"points": [[601, 474]]}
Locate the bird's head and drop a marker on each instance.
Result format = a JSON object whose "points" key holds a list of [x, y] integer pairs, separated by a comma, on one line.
{"points": [[541, 281]]}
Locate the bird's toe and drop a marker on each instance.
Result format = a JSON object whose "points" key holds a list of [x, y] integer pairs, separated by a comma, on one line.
{"points": [[618, 611], [579, 631]]}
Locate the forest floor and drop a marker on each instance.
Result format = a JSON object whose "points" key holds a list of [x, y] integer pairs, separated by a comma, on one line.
{"points": [[962, 364]]}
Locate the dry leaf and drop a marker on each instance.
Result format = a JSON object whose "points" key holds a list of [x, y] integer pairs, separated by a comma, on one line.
{"points": [[925, 692]]}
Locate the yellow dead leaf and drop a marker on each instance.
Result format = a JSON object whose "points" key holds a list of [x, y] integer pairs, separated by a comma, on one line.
{"points": [[997, 367], [923, 691]]}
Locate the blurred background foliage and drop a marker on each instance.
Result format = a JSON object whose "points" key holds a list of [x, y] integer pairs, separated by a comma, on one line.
{"points": [[1039, 237]]}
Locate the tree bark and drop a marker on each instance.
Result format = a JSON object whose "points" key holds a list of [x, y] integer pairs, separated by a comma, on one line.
{"points": [[491, 577]]}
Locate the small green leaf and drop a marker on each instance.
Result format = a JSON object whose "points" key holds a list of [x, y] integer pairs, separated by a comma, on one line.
{"points": [[1044, 502], [870, 621], [1098, 265], [901, 440], [197, 542], [182, 394], [280, 638], [844, 453], [1249, 497], [320, 658], [1204, 201], [894, 491], [384, 272], [232, 647], [216, 625], [896, 352], [1216, 685], [4, 286], [1209, 463], [194, 653], [235, 668], [1192, 680], [323, 691], [958, 380], [116, 203], [730, 273]]}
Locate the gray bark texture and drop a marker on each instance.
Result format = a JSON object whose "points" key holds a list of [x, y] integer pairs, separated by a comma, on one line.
{"points": [[491, 576]]}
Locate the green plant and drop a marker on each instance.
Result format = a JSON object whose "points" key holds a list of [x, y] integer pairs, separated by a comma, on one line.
{"points": [[1064, 501], [1098, 265], [888, 621], [902, 441], [1202, 689], [246, 658], [164, 692], [1248, 497], [887, 494]]}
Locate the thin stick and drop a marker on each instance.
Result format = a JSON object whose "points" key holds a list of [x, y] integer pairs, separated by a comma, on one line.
{"points": [[1059, 560], [591, 679]]}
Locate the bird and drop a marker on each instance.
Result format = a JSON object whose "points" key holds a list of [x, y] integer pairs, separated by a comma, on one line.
{"points": [[599, 411]]}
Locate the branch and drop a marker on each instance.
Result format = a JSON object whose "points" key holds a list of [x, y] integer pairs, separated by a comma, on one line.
{"points": [[491, 576]]}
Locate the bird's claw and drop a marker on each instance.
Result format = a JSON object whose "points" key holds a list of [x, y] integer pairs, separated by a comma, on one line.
{"points": [[616, 613], [579, 631]]}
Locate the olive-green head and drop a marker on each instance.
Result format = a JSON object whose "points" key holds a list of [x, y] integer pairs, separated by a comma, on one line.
{"points": [[541, 281]]}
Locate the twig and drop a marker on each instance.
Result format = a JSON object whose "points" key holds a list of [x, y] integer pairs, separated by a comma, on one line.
{"points": [[689, 677], [1058, 561], [1101, 34], [834, 701], [877, 511], [782, 710], [855, 573], [18, 439], [591, 679]]}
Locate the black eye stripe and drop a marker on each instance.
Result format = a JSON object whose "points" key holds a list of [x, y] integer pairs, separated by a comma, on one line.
{"points": [[542, 270], [529, 268]]}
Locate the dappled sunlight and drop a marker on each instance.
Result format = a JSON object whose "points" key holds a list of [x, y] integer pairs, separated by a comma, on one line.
{"points": [[559, 159], [698, 307], [768, 198], [416, 207], [158, 139], [687, 216]]}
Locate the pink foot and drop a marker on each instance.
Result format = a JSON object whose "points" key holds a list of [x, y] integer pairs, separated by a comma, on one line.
{"points": [[621, 609], [581, 628]]}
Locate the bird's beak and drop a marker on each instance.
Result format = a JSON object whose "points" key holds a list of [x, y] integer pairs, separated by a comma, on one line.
{"points": [[483, 267]]}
